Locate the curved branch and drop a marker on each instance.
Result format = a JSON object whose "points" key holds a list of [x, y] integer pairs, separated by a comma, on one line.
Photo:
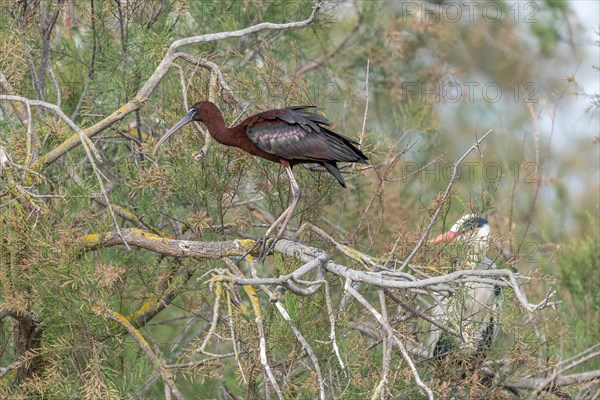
{"points": [[211, 37], [137, 336], [317, 63], [238, 248], [19, 315], [159, 73]]}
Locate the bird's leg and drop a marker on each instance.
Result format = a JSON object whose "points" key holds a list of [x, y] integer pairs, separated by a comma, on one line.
{"points": [[285, 215]]}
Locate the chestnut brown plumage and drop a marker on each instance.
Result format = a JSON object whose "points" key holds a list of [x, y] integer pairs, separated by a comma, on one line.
{"points": [[289, 136]]}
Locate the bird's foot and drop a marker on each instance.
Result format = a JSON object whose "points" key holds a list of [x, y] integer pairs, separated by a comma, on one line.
{"points": [[265, 244], [199, 155], [267, 247]]}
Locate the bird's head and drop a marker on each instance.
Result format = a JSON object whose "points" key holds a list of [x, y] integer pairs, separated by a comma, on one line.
{"points": [[199, 112], [471, 229]]}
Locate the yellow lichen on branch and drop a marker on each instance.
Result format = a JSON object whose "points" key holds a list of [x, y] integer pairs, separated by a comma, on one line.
{"points": [[148, 305], [169, 247], [102, 310], [146, 235], [74, 140], [246, 243], [352, 253], [253, 300], [91, 239]]}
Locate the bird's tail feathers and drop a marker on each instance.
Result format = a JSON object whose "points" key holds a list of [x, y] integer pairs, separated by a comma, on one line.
{"points": [[331, 166]]}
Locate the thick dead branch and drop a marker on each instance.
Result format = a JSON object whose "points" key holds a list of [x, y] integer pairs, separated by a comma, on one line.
{"points": [[237, 248], [313, 258]]}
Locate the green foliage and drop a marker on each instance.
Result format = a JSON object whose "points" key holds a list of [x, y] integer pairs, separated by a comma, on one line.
{"points": [[101, 57], [580, 285]]}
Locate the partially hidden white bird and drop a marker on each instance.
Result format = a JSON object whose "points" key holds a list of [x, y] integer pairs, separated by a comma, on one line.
{"points": [[474, 308]]}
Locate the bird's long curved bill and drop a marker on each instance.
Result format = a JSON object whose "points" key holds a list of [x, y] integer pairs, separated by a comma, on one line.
{"points": [[445, 237], [189, 117]]}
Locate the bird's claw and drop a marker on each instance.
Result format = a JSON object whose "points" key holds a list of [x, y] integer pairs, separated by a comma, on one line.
{"points": [[266, 244], [267, 247]]}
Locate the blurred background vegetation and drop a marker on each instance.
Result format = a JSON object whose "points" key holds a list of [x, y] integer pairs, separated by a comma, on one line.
{"points": [[437, 79]]}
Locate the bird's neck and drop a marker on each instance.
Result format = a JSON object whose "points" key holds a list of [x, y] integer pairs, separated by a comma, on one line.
{"points": [[217, 128]]}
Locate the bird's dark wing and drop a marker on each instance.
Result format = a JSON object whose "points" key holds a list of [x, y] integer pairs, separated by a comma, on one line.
{"points": [[295, 133]]}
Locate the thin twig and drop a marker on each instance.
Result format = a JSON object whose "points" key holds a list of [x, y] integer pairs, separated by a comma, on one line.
{"points": [[90, 74], [262, 341], [137, 336], [215, 318], [305, 345], [400, 345], [438, 208], [56, 87], [159, 73], [361, 138], [387, 350], [330, 314], [318, 63], [88, 146], [233, 339]]}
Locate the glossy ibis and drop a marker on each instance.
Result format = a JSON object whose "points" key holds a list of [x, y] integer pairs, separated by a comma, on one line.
{"points": [[472, 311], [289, 136]]}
